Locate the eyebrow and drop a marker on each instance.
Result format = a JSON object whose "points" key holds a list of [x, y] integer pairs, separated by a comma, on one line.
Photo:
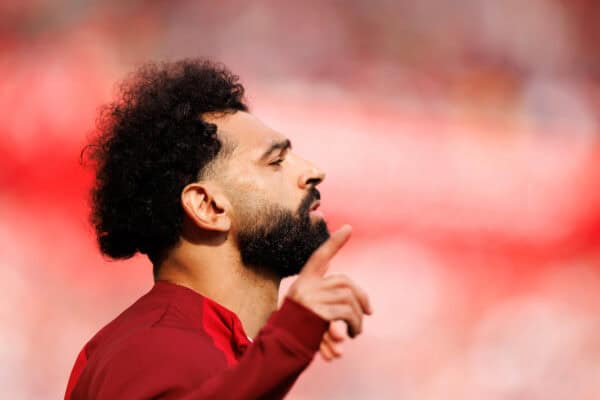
{"points": [[282, 145]]}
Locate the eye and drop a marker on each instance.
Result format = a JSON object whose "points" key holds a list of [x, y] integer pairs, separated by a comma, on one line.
{"points": [[276, 162]]}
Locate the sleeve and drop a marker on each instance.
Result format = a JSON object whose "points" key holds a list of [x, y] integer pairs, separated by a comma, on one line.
{"points": [[281, 351]]}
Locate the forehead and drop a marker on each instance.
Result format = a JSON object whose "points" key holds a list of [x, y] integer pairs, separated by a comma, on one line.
{"points": [[249, 135]]}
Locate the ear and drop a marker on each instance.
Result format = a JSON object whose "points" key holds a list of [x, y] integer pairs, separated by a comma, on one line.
{"points": [[206, 206]]}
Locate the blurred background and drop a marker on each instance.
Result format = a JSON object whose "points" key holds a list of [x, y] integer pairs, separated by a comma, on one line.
{"points": [[460, 138]]}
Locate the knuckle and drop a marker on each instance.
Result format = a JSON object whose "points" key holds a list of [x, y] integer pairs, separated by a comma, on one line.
{"points": [[347, 296], [339, 280], [349, 312], [335, 312], [332, 312]]}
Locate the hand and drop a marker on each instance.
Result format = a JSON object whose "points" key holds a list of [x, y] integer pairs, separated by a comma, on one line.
{"points": [[330, 345], [334, 297]]}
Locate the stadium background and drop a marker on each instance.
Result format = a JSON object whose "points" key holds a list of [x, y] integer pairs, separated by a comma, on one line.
{"points": [[460, 139]]}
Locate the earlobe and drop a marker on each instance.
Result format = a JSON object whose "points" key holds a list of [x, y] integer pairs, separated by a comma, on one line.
{"points": [[205, 207]]}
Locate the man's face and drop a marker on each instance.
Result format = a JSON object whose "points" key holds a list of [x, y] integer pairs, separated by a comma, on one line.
{"points": [[271, 190]]}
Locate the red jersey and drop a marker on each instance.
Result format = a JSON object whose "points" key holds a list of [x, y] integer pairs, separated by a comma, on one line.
{"points": [[174, 343]]}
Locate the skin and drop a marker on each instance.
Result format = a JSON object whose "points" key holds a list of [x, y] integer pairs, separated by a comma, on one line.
{"points": [[217, 205]]}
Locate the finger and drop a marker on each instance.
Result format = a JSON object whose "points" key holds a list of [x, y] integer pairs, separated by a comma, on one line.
{"points": [[327, 338], [345, 312], [361, 295], [317, 264], [363, 299], [334, 348], [345, 295], [335, 334], [325, 352]]}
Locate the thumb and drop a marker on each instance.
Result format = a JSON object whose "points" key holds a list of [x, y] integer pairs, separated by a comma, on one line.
{"points": [[318, 263]]}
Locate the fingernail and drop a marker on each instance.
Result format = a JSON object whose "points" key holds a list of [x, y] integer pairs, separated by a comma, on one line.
{"points": [[346, 227]]}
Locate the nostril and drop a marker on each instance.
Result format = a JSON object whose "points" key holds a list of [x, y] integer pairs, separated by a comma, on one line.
{"points": [[314, 181]]}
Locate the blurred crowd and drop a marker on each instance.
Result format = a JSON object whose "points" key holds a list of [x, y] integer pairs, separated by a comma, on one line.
{"points": [[460, 138]]}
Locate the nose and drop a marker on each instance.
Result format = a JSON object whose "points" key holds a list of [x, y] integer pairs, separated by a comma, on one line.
{"points": [[311, 176]]}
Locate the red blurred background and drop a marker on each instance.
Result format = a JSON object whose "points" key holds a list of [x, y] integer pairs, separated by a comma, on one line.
{"points": [[460, 139]]}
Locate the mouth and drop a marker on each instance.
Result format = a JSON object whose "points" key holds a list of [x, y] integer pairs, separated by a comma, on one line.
{"points": [[314, 206], [314, 213]]}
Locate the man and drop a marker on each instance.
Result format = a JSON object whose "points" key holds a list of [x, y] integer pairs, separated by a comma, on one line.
{"points": [[224, 209]]}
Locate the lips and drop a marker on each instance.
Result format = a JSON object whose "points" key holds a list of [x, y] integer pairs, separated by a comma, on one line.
{"points": [[314, 206]]}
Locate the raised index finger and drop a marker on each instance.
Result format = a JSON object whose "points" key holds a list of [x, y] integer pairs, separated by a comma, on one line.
{"points": [[318, 261]]}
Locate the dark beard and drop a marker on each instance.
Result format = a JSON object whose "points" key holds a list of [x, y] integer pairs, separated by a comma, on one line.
{"points": [[283, 242]]}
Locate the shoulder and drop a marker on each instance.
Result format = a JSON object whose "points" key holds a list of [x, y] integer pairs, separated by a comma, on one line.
{"points": [[148, 319], [153, 360], [159, 343]]}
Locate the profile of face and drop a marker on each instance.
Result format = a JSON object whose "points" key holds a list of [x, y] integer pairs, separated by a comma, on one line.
{"points": [[271, 191]]}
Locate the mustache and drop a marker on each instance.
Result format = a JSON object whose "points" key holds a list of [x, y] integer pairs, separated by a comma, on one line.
{"points": [[311, 197]]}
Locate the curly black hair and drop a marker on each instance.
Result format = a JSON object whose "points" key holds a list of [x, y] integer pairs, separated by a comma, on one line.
{"points": [[149, 144]]}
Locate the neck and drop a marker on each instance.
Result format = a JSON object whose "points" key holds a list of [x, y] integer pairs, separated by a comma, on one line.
{"points": [[218, 273]]}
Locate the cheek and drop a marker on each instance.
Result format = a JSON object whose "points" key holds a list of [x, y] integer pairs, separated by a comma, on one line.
{"points": [[249, 202], [253, 188], [276, 185]]}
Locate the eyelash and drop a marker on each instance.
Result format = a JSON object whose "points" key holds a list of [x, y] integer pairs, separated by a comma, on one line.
{"points": [[277, 162]]}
